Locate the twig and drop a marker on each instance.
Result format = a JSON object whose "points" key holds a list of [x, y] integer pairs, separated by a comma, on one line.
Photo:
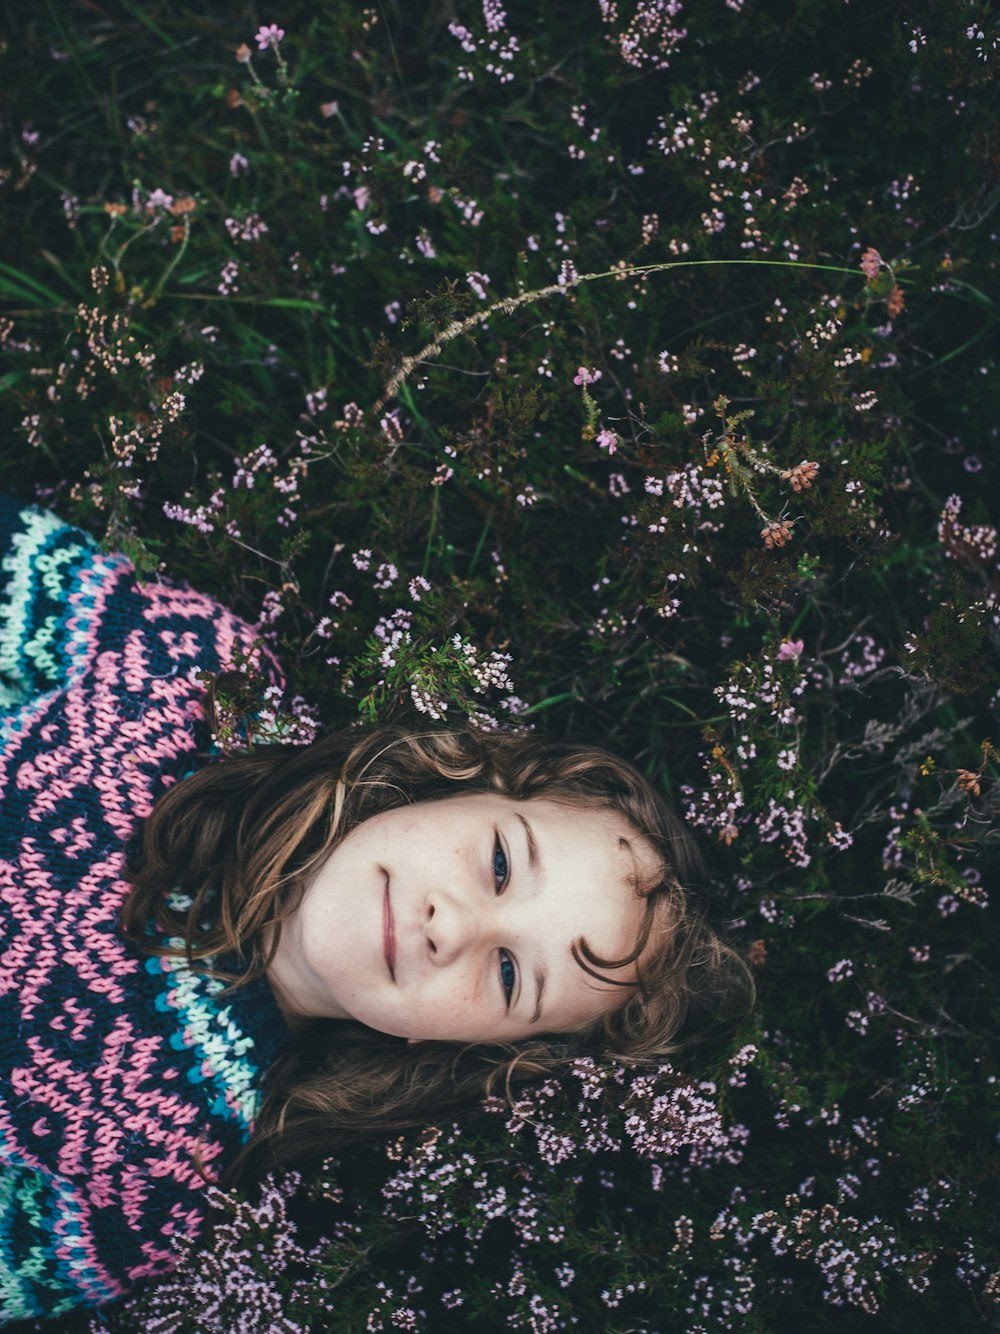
{"points": [[433, 348], [508, 305]]}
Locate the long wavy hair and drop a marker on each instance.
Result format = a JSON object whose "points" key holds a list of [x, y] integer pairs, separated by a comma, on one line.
{"points": [[242, 838]]}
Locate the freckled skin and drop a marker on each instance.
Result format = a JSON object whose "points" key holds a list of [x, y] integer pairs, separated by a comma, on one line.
{"points": [[471, 920]]}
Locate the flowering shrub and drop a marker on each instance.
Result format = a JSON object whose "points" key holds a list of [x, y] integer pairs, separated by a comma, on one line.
{"points": [[619, 370]]}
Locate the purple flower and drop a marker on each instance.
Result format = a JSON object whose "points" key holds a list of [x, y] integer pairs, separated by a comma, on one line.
{"points": [[271, 35], [791, 650], [608, 440], [158, 199]]}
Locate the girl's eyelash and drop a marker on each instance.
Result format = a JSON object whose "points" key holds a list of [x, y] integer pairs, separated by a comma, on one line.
{"points": [[508, 976], [501, 873]]}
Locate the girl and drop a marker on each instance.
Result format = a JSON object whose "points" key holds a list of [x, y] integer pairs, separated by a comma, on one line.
{"points": [[208, 973]]}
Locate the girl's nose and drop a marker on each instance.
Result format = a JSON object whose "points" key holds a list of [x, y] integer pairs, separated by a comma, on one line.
{"points": [[450, 927]]}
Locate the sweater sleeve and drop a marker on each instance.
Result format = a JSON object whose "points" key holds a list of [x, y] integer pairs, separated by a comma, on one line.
{"points": [[84, 1240], [33, 1283], [41, 563]]}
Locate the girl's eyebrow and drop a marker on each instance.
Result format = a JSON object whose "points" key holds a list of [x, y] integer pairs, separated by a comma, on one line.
{"points": [[534, 861], [536, 1013]]}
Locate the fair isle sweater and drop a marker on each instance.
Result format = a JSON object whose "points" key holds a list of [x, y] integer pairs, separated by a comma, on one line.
{"points": [[114, 1064]]}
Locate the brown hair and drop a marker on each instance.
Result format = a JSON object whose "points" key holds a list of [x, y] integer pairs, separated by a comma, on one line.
{"points": [[242, 838]]}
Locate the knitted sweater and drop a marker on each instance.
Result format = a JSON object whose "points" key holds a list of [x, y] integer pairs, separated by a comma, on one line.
{"points": [[113, 1063]]}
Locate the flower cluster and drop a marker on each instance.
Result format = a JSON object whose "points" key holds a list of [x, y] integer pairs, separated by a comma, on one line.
{"points": [[246, 1281], [495, 50]]}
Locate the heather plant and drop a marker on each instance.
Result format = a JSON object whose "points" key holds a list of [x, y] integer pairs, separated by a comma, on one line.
{"points": [[620, 370]]}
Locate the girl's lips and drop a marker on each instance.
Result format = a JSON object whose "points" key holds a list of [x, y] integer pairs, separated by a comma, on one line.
{"points": [[388, 933]]}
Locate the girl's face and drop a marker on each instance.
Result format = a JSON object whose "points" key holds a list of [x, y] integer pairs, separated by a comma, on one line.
{"points": [[454, 919]]}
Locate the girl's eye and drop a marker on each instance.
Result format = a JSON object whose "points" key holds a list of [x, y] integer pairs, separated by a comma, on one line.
{"points": [[501, 869], [508, 975]]}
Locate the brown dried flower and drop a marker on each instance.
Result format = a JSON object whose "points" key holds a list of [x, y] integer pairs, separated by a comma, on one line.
{"points": [[757, 954], [777, 533], [802, 475], [968, 782], [896, 302]]}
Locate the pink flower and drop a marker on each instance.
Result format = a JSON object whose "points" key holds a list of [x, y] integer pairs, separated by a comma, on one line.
{"points": [[608, 440], [270, 35], [585, 376], [791, 650], [871, 262]]}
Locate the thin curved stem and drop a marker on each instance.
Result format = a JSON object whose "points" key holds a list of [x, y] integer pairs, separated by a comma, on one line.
{"points": [[508, 305]]}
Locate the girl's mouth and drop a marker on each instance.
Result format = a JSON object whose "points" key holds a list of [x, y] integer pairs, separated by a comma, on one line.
{"points": [[388, 933]]}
